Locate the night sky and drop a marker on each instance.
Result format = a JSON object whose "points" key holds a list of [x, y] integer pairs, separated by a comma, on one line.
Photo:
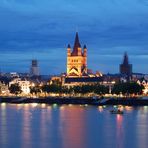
{"points": [[41, 29]]}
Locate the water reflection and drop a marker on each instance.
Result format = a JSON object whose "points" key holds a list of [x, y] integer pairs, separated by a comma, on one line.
{"points": [[100, 108], [45, 119], [141, 127], [3, 124], [26, 127], [128, 108], [119, 131], [72, 126]]}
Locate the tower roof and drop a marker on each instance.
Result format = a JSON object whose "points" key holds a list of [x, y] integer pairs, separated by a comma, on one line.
{"points": [[125, 59], [68, 46], [76, 45], [84, 47]]}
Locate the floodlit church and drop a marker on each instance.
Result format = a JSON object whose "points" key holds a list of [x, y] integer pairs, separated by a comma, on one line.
{"points": [[77, 72], [76, 59]]}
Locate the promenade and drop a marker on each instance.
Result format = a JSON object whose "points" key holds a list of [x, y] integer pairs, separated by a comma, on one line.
{"points": [[81, 101]]}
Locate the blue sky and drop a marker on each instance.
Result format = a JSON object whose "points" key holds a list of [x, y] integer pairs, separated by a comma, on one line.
{"points": [[42, 29]]}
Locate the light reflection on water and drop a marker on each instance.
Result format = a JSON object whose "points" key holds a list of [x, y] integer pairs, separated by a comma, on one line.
{"points": [[3, 127], [72, 126], [119, 131]]}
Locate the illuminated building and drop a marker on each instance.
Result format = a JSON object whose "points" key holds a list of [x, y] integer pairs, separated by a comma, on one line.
{"points": [[76, 60], [77, 71], [23, 83], [145, 85], [3, 88]]}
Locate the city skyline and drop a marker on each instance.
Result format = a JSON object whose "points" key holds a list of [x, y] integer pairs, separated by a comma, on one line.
{"points": [[42, 30]]}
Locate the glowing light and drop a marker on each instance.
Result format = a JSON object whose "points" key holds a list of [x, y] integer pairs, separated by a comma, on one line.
{"points": [[70, 105], [19, 106], [62, 107], [121, 107], [43, 105], [100, 108], [145, 108], [34, 104], [86, 105], [3, 104], [55, 105], [104, 106], [119, 118], [49, 107], [128, 108], [26, 105]]}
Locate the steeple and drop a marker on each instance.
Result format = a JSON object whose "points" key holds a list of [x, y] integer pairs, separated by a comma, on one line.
{"points": [[85, 51], [68, 50], [76, 59], [84, 47], [68, 46], [76, 45], [125, 59], [125, 67]]}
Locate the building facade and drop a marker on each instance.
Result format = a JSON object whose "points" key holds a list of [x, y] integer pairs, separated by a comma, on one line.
{"points": [[23, 83], [3, 88], [76, 59], [145, 85]]}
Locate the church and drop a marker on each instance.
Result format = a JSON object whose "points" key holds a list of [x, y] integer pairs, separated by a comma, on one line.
{"points": [[76, 59], [77, 70], [125, 67]]}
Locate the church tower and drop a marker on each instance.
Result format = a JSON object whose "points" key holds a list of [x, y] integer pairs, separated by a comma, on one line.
{"points": [[125, 67], [76, 59]]}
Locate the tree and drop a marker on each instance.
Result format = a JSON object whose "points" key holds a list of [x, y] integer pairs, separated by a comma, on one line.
{"points": [[100, 89], [45, 89], [65, 90], [127, 88], [86, 89], [76, 89], [15, 89], [118, 88], [35, 90], [53, 88]]}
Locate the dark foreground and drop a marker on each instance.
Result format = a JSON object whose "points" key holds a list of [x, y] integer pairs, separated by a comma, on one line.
{"points": [[83, 101]]}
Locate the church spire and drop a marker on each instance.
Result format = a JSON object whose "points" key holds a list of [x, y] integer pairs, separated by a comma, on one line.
{"points": [[125, 67], [76, 45], [68, 46], [125, 59]]}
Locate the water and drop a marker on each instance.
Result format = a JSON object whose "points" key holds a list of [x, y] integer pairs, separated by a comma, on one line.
{"points": [[72, 126]]}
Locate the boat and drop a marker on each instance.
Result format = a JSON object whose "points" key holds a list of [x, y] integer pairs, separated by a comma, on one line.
{"points": [[117, 111]]}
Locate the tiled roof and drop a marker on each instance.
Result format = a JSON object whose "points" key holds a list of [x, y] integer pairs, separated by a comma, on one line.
{"points": [[84, 79], [76, 45]]}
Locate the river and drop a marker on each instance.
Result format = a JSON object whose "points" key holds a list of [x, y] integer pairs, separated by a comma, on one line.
{"points": [[72, 126]]}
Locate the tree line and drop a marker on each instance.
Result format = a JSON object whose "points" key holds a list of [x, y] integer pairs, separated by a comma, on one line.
{"points": [[81, 90]]}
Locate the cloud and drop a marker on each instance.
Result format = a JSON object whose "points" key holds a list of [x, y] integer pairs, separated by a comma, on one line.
{"points": [[108, 27]]}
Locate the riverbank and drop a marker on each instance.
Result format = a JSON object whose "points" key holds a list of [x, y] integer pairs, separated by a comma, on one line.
{"points": [[82, 101]]}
